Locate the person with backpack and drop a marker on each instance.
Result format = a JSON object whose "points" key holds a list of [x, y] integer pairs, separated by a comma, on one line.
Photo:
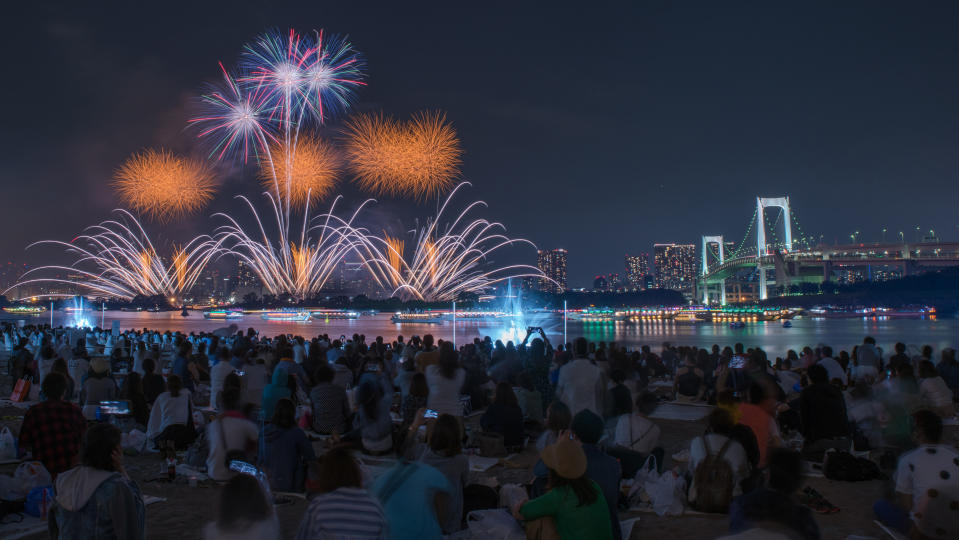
{"points": [[718, 463]]}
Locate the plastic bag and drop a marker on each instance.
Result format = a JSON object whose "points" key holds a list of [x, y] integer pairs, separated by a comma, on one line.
{"points": [[511, 494], [8, 445], [135, 440], [665, 492], [498, 523], [31, 474], [38, 501]]}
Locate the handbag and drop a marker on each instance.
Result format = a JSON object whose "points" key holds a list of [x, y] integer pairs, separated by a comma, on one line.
{"points": [[490, 444], [21, 391]]}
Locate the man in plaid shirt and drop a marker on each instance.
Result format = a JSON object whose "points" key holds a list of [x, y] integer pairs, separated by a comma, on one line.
{"points": [[52, 429]]}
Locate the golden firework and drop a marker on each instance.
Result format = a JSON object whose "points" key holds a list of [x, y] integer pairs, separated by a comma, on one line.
{"points": [[164, 186], [311, 170], [394, 255], [419, 158]]}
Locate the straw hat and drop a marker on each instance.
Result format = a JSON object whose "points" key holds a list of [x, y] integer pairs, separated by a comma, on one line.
{"points": [[100, 365], [566, 458]]}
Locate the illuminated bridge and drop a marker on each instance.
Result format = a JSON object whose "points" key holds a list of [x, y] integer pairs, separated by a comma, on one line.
{"points": [[801, 261]]}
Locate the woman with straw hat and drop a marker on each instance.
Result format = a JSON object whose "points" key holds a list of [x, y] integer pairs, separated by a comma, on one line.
{"points": [[574, 501]]}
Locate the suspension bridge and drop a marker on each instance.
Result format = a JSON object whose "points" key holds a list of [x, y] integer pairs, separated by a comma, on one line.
{"points": [[767, 259]]}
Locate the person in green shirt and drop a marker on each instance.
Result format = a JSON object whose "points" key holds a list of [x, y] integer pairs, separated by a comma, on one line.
{"points": [[574, 501]]}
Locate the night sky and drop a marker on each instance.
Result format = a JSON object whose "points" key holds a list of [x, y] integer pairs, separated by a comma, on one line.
{"points": [[598, 128]]}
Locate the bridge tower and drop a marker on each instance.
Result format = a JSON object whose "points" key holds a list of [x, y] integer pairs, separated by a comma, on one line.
{"points": [[761, 249], [707, 240]]}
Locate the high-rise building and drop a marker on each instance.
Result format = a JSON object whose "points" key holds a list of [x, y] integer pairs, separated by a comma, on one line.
{"points": [[552, 263], [675, 266], [600, 283], [637, 268]]}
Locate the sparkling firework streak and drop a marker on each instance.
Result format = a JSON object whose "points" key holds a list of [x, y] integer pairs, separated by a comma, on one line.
{"points": [[299, 268], [164, 186], [445, 263], [419, 158], [117, 259]]}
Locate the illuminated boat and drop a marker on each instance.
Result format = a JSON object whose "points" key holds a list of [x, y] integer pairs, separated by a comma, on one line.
{"points": [[434, 317], [594, 315], [335, 314], [77, 310], [222, 314], [25, 310], [286, 315]]}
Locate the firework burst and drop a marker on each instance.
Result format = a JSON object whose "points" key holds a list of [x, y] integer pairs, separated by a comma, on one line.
{"points": [[310, 171], [117, 259], [447, 261], [164, 186], [419, 158]]}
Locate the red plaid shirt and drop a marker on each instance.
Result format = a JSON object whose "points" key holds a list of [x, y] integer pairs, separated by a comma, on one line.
{"points": [[52, 431]]}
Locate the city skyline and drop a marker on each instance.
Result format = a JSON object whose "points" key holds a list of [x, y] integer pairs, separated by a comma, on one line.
{"points": [[696, 139]]}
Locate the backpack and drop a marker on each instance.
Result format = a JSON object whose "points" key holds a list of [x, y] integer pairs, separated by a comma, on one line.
{"points": [[841, 465], [713, 479]]}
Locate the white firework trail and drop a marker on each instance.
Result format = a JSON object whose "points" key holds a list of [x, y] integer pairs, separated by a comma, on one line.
{"points": [[117, 259]]}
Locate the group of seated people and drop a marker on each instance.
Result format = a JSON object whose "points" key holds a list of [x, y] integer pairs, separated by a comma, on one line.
{"points": [[587, 406]]}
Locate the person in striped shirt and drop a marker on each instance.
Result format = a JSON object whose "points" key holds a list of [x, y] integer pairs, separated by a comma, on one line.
{"points": [[341, 507]]}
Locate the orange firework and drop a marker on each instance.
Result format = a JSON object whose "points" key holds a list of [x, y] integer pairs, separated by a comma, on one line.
{"points": [[419, 158], [311, 170], [395, 248], [164, 186]]}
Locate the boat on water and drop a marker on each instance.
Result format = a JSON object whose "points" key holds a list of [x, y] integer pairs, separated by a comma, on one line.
{"points": [[736, 325], [419, 318], [25, 310], [831, 312], [222, 314], [286, 315], [154, 309], [184, 312], [132, 309], [593, 315], [335, 314], [77, 309], [787, 324]]}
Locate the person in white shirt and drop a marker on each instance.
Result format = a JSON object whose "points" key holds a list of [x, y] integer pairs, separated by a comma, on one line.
{"points": [[636, 431], [445, 380], [580, 385], [171, 407], [138, 356], [927, 485], [218, 374], [832, 366], [299, 351], [229, 432]]}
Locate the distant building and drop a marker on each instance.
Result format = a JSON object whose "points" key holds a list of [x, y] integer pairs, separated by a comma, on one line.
{"points": [[553, 264], [600, 283], [674, 266], [637, 269]]}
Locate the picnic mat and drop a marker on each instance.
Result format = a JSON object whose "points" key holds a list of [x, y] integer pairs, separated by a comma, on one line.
{"points": [[689, 412], [483, 464]]}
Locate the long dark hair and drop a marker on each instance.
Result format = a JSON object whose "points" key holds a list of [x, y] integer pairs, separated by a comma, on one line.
{"points": [[449, 362], [337, 469], [174, 385], [505, 395], [284, 414], [582, 487], [445, 436], [99, 442], [242, 502], [559, 415], [368, 394]]}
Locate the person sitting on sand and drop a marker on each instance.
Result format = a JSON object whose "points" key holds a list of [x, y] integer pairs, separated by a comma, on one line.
{"points": [[504, 416], [99, 386], [636, 436], [443, 452], [331, 408], [170, 418], [286, 449], [340, 507], [927, 493], [52, 429], [575, 502], [97, 499], [558, 419], [244, 512], [775, 503], [230, 436]]}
